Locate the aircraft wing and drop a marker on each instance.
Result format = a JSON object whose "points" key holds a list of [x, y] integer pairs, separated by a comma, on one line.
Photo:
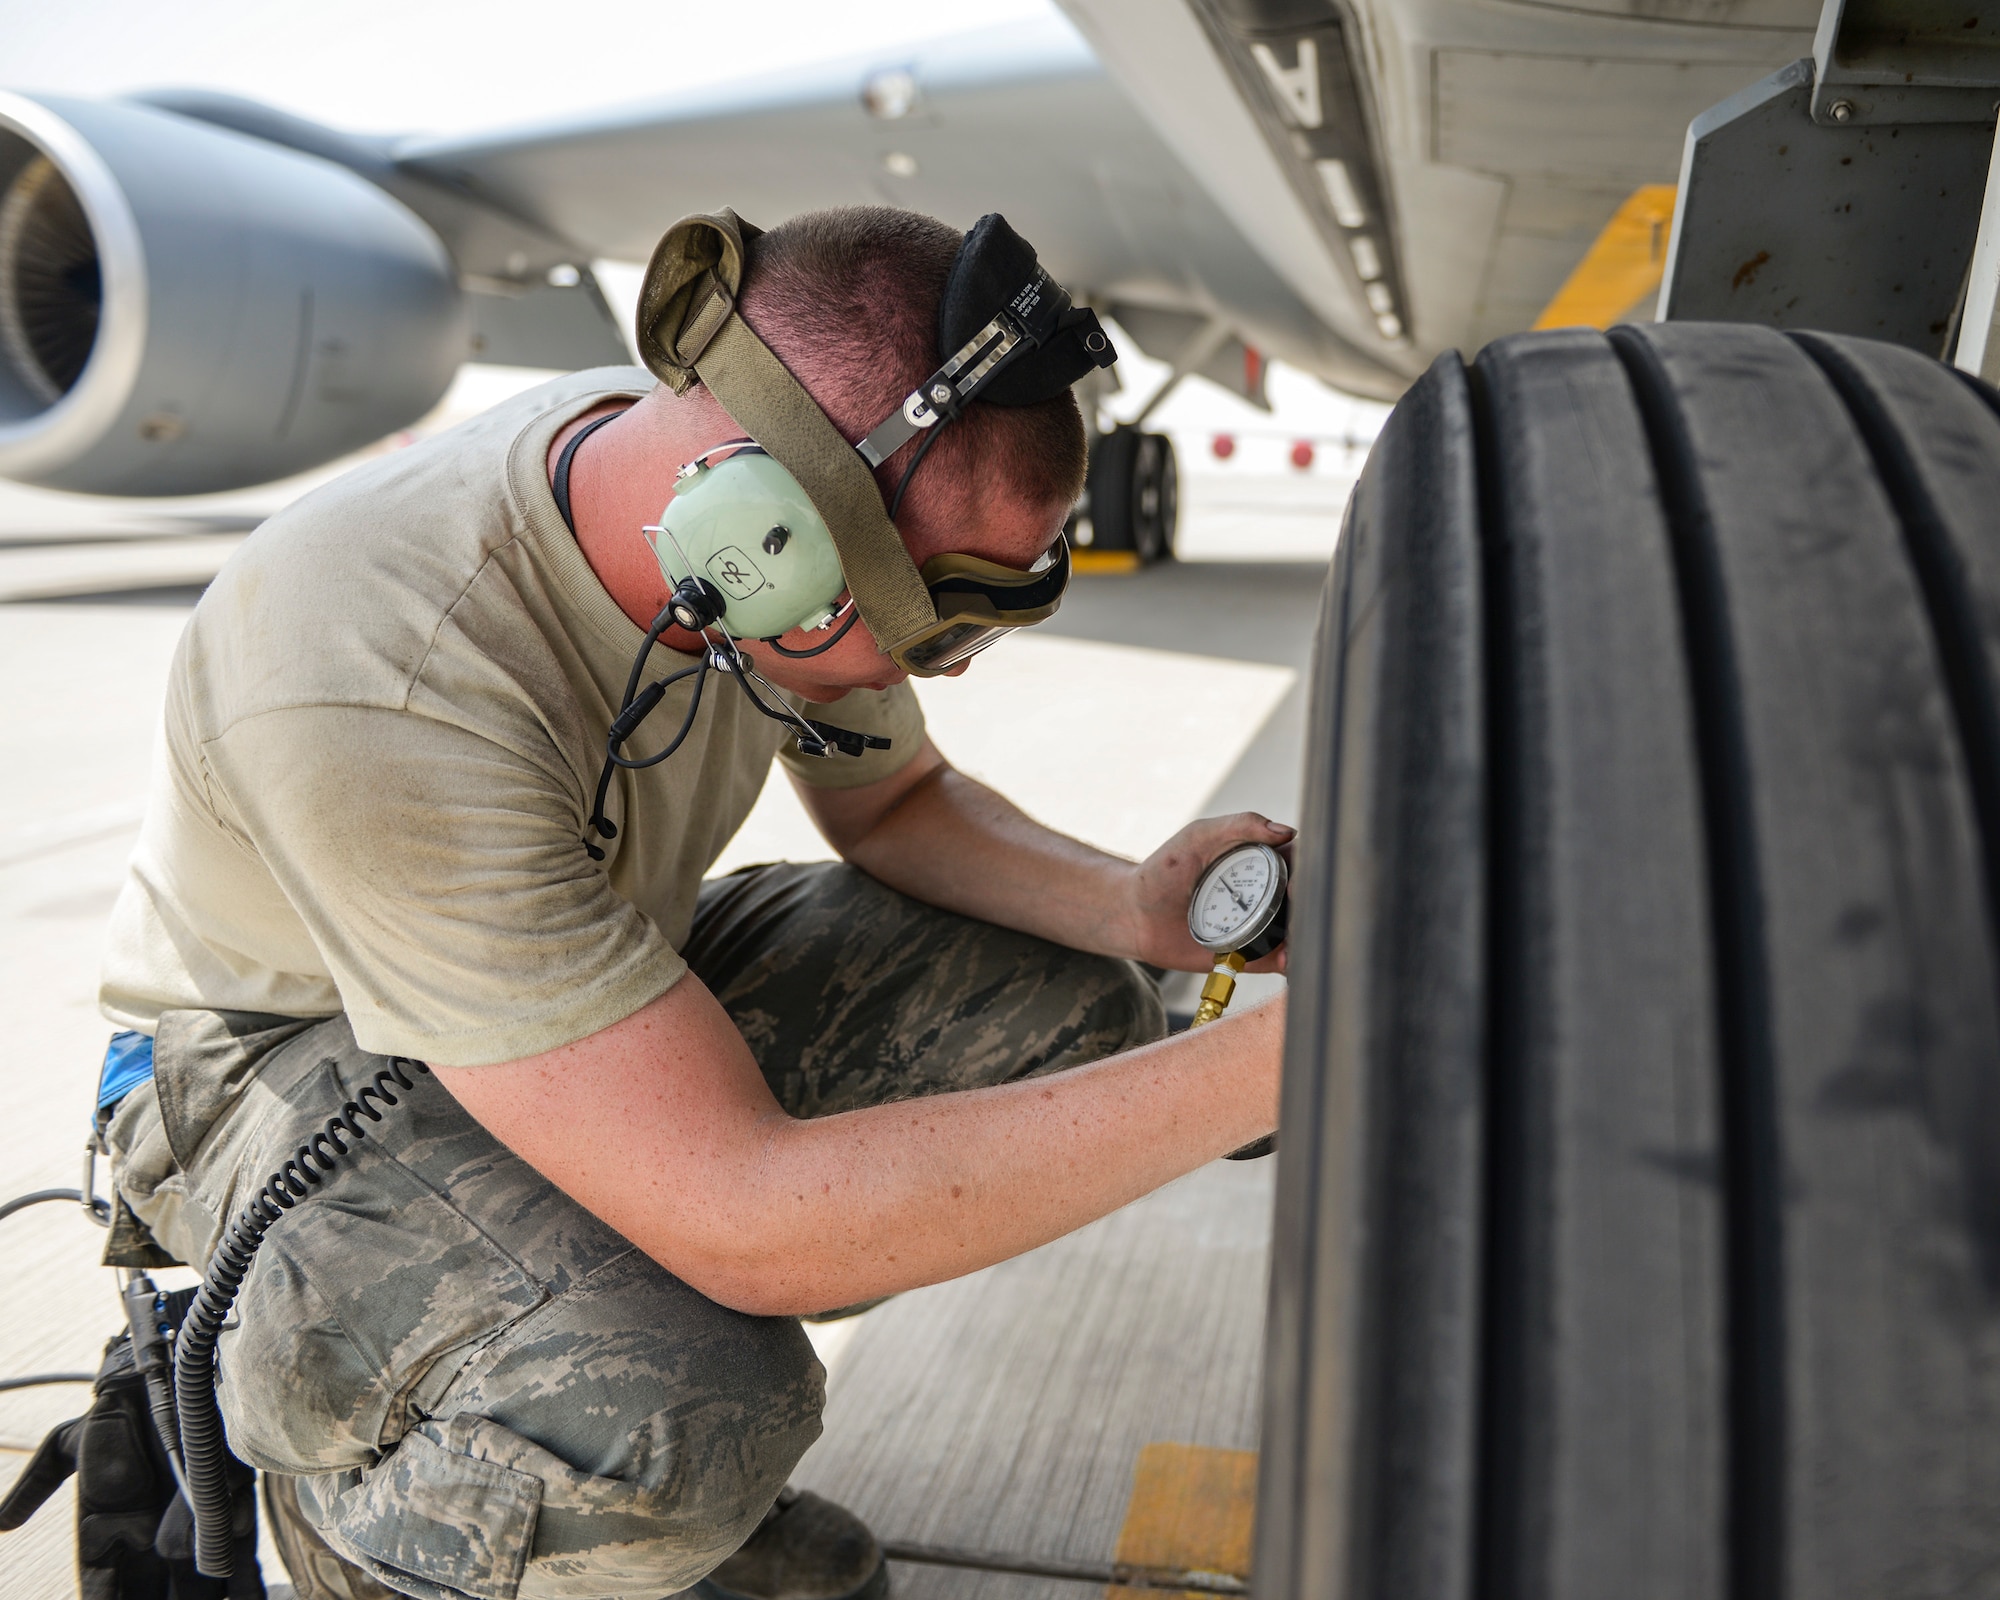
{"points": [[1451, 160], [1021, 120]]}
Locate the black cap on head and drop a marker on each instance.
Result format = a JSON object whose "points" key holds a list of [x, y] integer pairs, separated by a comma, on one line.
{"points": [[996, 268]]}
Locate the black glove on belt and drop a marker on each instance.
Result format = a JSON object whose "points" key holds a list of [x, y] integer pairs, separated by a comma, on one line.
{"points": [[134, 1537]]}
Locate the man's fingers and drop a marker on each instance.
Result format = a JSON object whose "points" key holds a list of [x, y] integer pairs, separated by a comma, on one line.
{"points": [[1251, 827]]}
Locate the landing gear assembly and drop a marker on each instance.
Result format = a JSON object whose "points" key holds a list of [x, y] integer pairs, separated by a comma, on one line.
{"points": [[1134, 494]]}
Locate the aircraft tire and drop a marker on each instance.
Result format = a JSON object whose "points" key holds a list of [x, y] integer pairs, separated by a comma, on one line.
{"points": [[1160, 498], [1134, 493], [1638, 1223]]}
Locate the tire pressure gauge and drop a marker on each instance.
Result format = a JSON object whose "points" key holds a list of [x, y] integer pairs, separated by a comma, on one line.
{"points": [[1238, 915], [1239, 903]]}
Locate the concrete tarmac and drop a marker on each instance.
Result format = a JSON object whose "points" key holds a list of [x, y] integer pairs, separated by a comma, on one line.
{"points": [[1183, 687]]}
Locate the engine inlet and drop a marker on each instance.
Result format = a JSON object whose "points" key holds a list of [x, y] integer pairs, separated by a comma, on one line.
{"points": [[51, 291], [185, 309]]}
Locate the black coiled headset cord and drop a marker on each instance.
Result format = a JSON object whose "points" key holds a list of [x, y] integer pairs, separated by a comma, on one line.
{"points": [[204, 1451]]}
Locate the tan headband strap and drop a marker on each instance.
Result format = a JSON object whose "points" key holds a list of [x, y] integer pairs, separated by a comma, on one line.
{"points": [[688, 331], [774, 409], [714, 309], [689, 291]]}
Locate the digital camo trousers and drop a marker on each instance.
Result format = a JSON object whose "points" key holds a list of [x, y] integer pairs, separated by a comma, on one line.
{"points": [[483, 1389]]}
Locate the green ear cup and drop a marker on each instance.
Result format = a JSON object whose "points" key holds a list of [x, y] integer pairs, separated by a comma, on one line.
{"points": [[747, 527]]}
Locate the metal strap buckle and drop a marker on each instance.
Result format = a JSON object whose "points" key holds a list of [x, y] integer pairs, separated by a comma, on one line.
{"points": [[941, 394]]}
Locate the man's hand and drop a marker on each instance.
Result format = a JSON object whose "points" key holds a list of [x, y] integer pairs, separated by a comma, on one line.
{"points": [[1161, 886]]}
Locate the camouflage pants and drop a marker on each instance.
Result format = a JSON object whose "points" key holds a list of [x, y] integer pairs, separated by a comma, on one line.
{"points": [[483, 1390]]}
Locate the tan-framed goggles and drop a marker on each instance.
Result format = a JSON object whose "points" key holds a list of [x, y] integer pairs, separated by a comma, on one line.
{"points": [[689, 331], [979, 603]]}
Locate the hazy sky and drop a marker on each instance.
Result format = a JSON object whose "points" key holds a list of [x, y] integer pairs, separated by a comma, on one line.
{"points": [[449, 66]]}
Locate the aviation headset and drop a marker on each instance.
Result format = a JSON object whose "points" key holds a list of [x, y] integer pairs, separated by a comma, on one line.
{"points": [[765, 539]]}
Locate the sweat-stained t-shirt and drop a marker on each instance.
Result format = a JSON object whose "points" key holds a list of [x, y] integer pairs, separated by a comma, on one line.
{"points": [[384, 726]]}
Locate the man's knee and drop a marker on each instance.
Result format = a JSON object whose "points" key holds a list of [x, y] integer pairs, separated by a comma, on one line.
{"points": [[467, 1506], [657, 1428], [1097, 1006], [851, 994], [621, 1439]]}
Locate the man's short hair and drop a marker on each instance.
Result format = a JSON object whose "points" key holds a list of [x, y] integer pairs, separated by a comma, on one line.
{"points": [[848, 299]]}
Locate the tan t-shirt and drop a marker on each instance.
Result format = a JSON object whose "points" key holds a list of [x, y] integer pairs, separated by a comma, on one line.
{"points": [[383, 732]]}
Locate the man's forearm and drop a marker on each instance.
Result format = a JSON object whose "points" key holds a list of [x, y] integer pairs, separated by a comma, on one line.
{"points": [[876, 1201], [953, 842], [662, 1125]]}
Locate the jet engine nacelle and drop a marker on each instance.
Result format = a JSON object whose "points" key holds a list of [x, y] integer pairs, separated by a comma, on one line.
{"points": [[183, 309]]}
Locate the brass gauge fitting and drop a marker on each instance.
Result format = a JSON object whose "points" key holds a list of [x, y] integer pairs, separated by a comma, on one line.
{"points": [[1220, 986]]}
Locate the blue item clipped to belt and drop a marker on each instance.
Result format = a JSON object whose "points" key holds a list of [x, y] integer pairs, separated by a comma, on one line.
{"points": [[128, 1062]]}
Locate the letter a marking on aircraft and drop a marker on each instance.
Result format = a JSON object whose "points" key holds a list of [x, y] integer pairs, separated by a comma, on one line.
{"points": [[1296, 86]]}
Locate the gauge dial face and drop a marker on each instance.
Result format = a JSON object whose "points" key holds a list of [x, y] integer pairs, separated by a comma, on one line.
{"points": [[1236, 898]]}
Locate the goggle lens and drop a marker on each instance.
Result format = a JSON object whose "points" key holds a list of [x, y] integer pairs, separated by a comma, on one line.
{"points": [[943, 651]]}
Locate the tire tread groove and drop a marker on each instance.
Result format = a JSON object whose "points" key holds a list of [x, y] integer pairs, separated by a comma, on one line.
{"points": [[1947, 596], [1754, 1316], [1500, 1442]]}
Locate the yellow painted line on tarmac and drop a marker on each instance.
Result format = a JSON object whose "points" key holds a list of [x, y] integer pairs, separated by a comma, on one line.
{"points": [[1623, 265], [1192, 1510], [1099, 562]]}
